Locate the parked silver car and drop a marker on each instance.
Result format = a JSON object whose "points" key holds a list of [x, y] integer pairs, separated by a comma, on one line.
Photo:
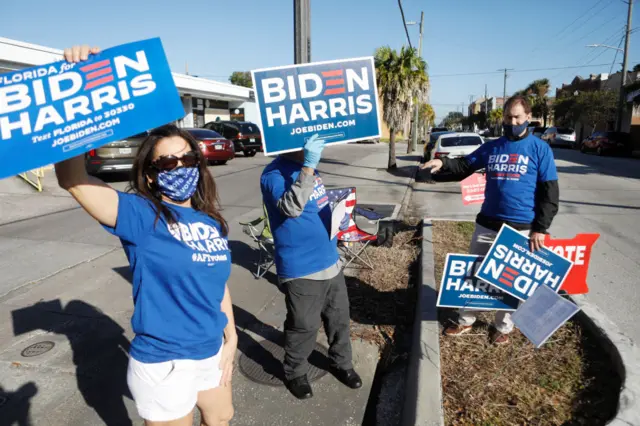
{"points": [[560, 136]]}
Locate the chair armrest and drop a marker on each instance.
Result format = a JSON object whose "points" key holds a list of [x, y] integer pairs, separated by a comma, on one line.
{"points": [[254, 222]]}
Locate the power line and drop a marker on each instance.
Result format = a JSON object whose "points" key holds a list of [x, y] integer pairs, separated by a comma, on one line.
{"points": [[513, 71], [585, 57], [591, 32], [574, 21], [404, 22], [616, 56]]}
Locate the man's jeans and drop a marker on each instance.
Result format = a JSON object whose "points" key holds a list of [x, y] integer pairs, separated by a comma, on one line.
{"points": [[309, 304]]}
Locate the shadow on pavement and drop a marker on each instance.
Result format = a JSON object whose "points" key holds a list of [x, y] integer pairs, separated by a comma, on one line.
{"points": [[15, 406], [247, 257], [246, 321], [587, 164], [409, 157], [613, 206], [100, 352]]}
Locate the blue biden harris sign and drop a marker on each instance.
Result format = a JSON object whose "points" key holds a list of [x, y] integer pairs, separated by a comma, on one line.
{"points": [[60, 110], [513, 268], [337, 100], [460, 288]]}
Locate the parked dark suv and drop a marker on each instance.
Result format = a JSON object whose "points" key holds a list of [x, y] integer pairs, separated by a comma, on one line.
{"points": [[246, 136], [114, 157]]}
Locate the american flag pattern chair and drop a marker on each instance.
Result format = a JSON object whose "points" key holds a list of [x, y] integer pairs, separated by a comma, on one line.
{"points": [[353, 241]]}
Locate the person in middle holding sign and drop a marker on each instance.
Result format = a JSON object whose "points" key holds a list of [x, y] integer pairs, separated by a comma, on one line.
{"points": [[521, 191], [308, 266]]}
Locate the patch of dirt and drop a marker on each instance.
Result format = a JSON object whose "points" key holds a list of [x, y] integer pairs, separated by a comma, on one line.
{"points": [[382, 312], [449, 237], [383, 299], [569, 381]]}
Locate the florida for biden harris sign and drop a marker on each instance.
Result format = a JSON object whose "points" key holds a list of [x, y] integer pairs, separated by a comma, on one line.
{"points": [[53, 112], [337, 100]]}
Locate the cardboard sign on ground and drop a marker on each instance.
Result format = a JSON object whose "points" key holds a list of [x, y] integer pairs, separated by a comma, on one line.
{"points": [[542, 314], [578, 250], [473, 189]]}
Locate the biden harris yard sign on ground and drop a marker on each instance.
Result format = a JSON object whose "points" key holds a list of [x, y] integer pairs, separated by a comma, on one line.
{"points": [[514, 269], [336, 99], [57, 111], [459, 287]]}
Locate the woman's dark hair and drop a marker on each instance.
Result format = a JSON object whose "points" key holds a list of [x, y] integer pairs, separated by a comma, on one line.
{"points": [[206, 197], [515, 100]]}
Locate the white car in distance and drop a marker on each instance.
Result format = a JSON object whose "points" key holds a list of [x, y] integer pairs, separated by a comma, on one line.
{"points": [[454, 145]]}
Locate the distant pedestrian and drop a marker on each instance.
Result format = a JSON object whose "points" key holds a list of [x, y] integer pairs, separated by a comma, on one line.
{"points": [[175, 239], [308, 266], [522, 192]]}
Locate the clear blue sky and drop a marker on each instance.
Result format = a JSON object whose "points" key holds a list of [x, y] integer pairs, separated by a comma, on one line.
{"points": [[216, 37]]}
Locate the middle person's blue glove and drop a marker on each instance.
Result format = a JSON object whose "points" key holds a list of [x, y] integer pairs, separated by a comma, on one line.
{"points": [[313, 151]]}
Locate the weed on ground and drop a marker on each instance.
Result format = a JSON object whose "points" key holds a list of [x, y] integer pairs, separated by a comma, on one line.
{"points": [[569, 381]]}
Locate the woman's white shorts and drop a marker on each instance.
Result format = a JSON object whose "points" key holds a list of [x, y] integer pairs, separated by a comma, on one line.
{"points": [[169, 390]]}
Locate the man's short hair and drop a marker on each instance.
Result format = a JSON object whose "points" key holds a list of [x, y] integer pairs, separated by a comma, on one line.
{"points": [[518, 99]]}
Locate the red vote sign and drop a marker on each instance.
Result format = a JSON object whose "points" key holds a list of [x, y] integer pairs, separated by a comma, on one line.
{"points": [[473, 189], [578, 250]]}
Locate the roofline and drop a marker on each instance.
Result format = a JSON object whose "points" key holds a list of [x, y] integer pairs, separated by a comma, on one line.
{"points": [[19, 52]]}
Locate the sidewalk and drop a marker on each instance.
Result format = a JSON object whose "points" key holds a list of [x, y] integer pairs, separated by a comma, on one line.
{"points": [[80, 318]]}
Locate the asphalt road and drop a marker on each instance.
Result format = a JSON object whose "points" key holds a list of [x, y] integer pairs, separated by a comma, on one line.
{"points": [[65, 238], [602, 195], [597, 195]]}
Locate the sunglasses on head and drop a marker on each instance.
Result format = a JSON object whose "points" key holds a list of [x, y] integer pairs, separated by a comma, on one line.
{"points": [[166, 163]]}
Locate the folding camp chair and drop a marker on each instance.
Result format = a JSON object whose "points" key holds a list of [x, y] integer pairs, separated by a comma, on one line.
{"points": [[352, 240], [264, 240]]}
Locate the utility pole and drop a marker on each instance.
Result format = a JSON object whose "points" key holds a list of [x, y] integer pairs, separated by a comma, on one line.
{"points": [[486, 108], [504, 90], [302, 31], [486, 102], [621, 100], [416, 109]]}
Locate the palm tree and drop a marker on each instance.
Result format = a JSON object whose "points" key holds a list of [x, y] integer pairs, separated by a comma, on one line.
{"points": [[495, 117], [427, 117], [537, 93], [401, 77]]}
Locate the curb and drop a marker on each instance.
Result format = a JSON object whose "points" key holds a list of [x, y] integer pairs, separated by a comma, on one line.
{"points": [[423, 404], [624, 354], [423, 397], [406, 199]]}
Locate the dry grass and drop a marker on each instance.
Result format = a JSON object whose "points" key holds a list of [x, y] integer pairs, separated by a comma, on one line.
{"points": [[383, 299], [449, 237], [392, 264], [569, 381]]}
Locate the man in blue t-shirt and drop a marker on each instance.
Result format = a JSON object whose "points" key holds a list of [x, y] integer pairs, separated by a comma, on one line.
{"points": [[521, 191], [308, 266]]}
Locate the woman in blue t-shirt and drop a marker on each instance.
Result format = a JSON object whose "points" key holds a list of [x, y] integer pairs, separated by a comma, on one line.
{"points": [[174, 236]]}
